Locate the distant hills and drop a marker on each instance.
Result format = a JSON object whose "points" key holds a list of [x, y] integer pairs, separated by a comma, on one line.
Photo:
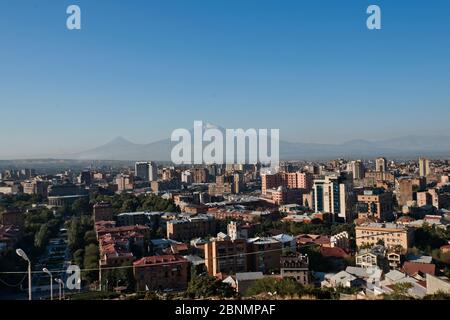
{"points": [[403, 147]]}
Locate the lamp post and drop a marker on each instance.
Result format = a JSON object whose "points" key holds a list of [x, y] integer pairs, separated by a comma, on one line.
{"points": [[51, 282], [24, 256], [61, 287]]}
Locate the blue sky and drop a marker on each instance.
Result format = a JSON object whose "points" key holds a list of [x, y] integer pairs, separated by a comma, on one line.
{"points": [[140, 69]]}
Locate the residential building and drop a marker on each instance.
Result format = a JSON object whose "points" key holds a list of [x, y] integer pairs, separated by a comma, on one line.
{"points": [[265, 254], [375, 256], [334, 195], [244, 280], [380, 165], [223, 255], [103, 211], [296, 266], [187, 228], [147, 171], [424, 167], [375, 203], [161, 273], [392, 235]]}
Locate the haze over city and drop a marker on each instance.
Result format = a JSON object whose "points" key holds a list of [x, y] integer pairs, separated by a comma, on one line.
{"points": [[310, 69]]}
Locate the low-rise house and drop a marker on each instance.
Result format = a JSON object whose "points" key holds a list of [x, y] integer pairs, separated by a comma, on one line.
{"points": [[288, 243], [419, 270], [435, 284], [297, 267], [394, 260], [372, 257], [245, 280], [340, 279]]}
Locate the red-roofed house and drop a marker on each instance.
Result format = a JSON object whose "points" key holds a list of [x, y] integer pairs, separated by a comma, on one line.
{"points": [[161, 272], [334, 252], [414, 269]]}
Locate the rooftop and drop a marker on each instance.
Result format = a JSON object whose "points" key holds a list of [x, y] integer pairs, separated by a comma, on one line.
{"points": [[154, 260]]}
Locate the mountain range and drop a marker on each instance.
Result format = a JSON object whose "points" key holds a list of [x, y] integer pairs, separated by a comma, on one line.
{"points": [[402, 147]]}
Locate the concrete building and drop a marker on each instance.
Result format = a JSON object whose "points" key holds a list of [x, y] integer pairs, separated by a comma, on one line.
{"points": [[161, 273], [245, 280], [373, 257], [289, 180], [124, 182], [226, 256], [200, 175], [334, 195], [392, 235], [375, 203], [12, 217], [103, 211], [357, 169], [424, 167], [380, 165], [147, 171], [405, 191], [187, 228], [297, 267], [265, 254]]}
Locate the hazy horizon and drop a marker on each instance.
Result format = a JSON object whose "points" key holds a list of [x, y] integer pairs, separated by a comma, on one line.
{"points": [[311, 69]]}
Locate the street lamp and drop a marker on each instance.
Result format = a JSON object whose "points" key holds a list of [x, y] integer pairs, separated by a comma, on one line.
{"points": [[24, 256], [51, 282], [60, 285]]}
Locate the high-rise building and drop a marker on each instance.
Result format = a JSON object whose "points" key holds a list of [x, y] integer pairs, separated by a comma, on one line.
{"points": [[334, 195], [141, 170], [186, 177], [225, 255], [357, 168], [200, 175], [86, 177], [124, 182], [424, 167], [375, 203], [147, 171], [380, 164], [405, 191], [289, 180]]}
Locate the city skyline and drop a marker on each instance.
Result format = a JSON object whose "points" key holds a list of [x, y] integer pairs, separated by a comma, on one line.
{"points": [[313, 70]]}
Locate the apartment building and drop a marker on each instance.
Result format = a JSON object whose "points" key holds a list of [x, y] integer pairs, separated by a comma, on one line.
{"points": [[375, 203], [103, 211], [161, 272], [392, 235], [187, 228], [223, 255]]}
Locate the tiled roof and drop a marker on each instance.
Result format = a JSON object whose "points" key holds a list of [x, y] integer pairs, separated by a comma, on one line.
{"points": [[335, 252], [152, 260], [412, 268]]}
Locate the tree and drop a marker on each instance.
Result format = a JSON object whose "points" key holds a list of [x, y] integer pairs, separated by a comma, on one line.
{"points": [[81, 206], [283, 287], [90, 261], [130, 205], [204, 286], [42, 237], [400, 292], [78, 257]]}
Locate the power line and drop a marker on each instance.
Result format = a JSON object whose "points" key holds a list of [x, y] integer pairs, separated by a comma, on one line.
{"points": [[13, 285], [216, 258]]}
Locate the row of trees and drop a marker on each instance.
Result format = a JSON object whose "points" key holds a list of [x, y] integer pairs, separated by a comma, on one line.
{"points": [[130, 203], [82, 242]]}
